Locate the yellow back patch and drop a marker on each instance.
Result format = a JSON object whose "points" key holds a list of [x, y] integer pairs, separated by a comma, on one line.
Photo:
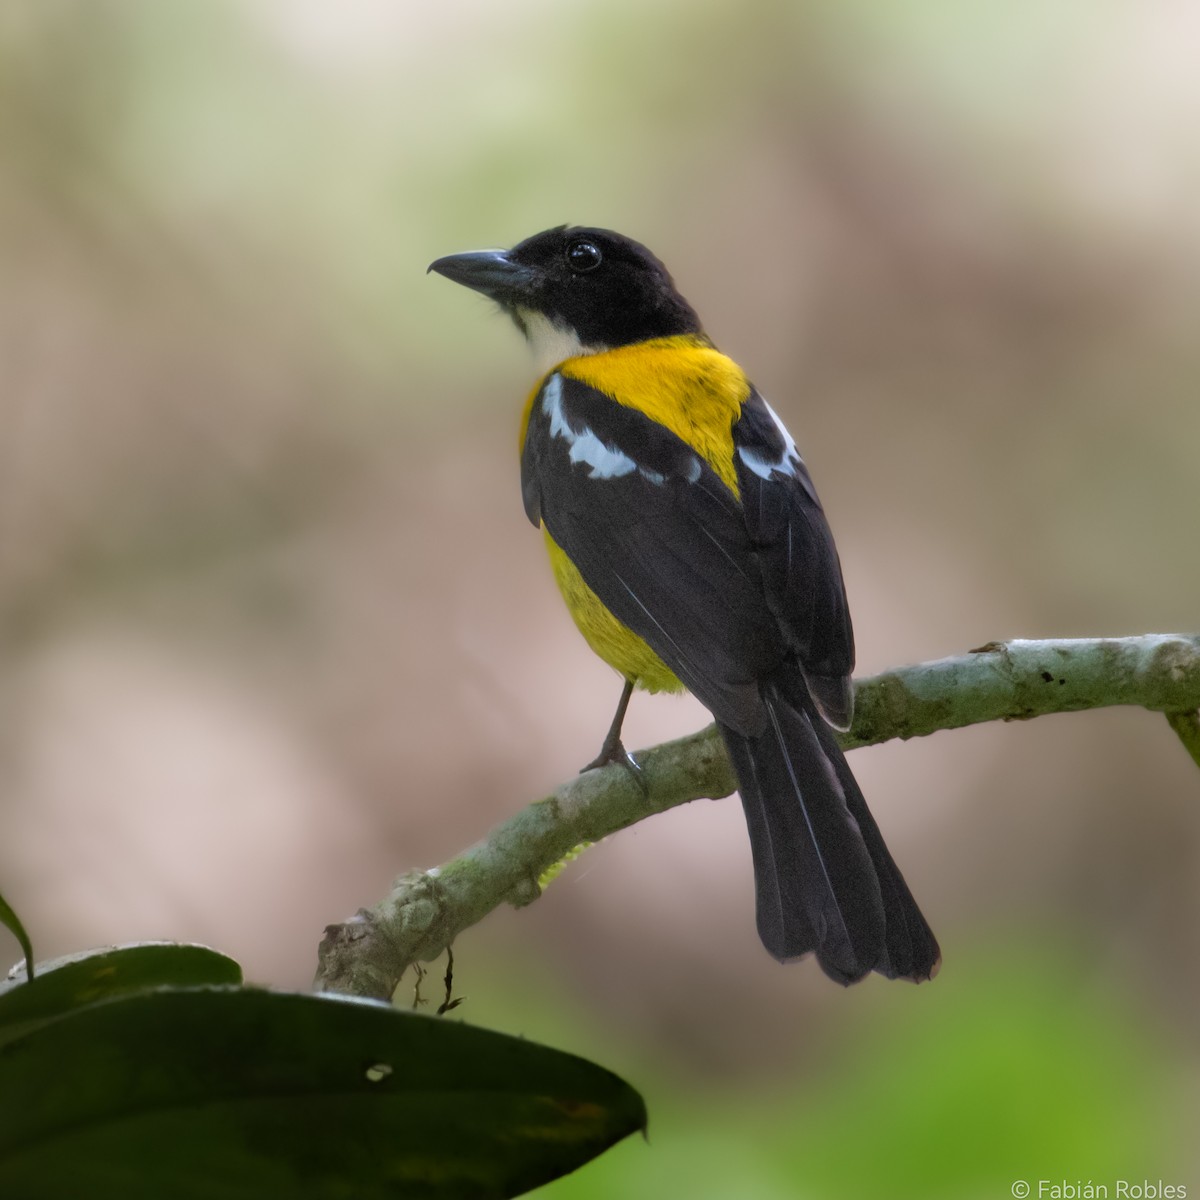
{"points": [[680, 382]]}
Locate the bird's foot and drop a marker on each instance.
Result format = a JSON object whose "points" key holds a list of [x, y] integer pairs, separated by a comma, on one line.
{"points": [[613, 751]]}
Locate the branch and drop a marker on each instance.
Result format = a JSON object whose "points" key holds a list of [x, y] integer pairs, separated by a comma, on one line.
{"points": [[1002, 681]]}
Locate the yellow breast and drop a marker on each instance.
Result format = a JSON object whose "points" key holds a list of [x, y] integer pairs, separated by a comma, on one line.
{"points": [[615, 643]]}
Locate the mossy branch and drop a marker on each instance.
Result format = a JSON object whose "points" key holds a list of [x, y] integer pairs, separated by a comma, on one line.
{"points": [[1002, 681]]}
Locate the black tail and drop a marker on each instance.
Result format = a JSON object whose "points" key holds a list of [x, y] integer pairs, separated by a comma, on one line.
{"points": [[823, 875]]}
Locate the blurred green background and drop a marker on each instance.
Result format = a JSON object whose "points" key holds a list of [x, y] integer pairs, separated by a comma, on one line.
{"points": [[273, 626]]}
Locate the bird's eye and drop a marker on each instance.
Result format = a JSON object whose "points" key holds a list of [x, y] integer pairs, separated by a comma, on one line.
{"points": [[583, 256]]}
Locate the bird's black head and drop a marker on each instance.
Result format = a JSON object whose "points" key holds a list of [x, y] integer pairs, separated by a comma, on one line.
{"points": [[574, 289]]}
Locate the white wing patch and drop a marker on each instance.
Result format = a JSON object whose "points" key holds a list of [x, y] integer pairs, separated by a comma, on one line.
{"points": [[787, 462], [604, 461], [584, 445]]}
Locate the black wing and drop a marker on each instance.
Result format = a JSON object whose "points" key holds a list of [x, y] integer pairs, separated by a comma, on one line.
{"points": [[797, 557], [659, 538]]}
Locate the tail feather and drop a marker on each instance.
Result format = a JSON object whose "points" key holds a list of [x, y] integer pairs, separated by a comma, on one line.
{"points": [[824, 879], [783, 923], [816, 885], [911, 950]]}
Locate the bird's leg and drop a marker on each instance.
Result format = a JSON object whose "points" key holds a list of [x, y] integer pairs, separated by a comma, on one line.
{"points": [[613, 751]]}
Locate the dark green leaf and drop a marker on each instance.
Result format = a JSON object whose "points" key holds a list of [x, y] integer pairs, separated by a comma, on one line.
{"points": [[216, 1093], [11, 921], [64, 984]]}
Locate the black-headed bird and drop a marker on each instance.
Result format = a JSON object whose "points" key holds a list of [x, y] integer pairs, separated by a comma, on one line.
{"points": [[687, 539]]}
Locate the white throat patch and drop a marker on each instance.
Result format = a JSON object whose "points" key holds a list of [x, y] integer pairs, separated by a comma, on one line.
{"points": [[552, 344]]}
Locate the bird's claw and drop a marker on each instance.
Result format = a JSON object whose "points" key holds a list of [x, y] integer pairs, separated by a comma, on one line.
{"points": [[614, 753]]}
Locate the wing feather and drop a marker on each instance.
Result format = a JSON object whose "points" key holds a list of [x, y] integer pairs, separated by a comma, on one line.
{"points": [[797, 557], [660, 540]]}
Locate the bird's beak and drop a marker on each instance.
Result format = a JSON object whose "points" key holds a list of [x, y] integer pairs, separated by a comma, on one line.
{"points": [[491, 272]]}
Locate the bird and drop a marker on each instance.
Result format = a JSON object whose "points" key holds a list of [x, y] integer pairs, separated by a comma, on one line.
{"points": [[688, 541]]}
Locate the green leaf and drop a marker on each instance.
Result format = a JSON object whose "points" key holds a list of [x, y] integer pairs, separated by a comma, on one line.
{"points": [[12, 922], [215, 1093], [63, 984]]}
